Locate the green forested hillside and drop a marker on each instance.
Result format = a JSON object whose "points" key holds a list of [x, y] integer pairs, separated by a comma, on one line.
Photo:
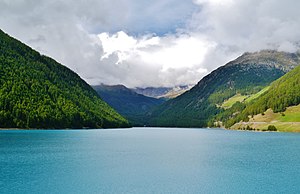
{"points": [[224, 117], [283, 93], [131, 105], [246, 75], [38, 92]]}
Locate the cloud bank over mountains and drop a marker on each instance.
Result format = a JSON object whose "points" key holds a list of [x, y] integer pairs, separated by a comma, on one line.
{"points": [[151, 43]]}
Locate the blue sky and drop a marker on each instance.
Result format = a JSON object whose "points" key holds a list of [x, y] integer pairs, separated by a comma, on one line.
{"points": [[142, 17], [159, 17], [142, 43]]}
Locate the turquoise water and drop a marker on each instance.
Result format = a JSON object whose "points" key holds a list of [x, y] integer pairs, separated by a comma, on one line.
{"points": [[149, 160]]}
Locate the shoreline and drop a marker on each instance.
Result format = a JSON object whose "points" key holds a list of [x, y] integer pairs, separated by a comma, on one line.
{"points": [[81, 129]]}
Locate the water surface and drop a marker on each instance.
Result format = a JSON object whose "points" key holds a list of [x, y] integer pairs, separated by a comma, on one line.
{"points": [[149, 160]]}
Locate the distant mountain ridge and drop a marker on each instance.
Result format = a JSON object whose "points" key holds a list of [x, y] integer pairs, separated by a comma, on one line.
{"points": [[279, 60], [246, 75], [128, 103], [38, 92], [163, 92]]}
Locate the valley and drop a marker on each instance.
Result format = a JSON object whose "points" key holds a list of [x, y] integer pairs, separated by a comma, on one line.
{"points": [[242, 94], [127, 102]]}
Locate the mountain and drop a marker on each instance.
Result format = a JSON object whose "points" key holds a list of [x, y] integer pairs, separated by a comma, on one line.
{"points": [[246, 75], [128, 103], [163, 92], [38, 92], [278, 106]]}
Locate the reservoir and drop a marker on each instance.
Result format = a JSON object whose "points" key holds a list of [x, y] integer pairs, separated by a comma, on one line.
{"points": [[149, 160]]}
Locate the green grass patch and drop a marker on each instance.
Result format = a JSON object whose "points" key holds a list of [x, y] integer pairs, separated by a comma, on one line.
{"points": [[254, 96], [242, 98], [280, 126], [292, 114], [237, 98], [288, 121]]}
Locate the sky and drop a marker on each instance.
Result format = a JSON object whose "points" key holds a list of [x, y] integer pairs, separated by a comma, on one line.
{"points": [[141, 43]]}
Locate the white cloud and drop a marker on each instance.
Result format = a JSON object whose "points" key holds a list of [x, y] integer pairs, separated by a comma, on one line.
{"points": [[124, 45], [166, 55], [169, 52], [220, 32], [249, 25], [177, 52], [151, 43]]}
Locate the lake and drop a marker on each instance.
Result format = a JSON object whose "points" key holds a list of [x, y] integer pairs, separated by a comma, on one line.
{"points": [[149, 160]]}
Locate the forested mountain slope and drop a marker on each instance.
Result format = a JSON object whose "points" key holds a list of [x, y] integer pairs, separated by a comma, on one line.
{"points": [[246, 75], [128, 103], [283, 93], [38, 92]]}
